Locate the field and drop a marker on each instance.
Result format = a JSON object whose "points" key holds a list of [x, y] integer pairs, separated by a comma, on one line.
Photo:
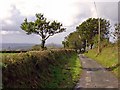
{"points": [[5, 55], [108, 58]]}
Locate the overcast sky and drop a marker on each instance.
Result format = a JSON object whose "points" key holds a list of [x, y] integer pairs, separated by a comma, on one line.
{"points": [[69, 12]]}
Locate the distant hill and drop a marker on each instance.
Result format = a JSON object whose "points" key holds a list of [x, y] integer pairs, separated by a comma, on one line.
{"points": [[15, 46], [49, 46], [24, 46]]}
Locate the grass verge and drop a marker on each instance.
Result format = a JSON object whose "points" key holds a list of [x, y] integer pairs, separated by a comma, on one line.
{"points": [[108, 58], [67, 75]]}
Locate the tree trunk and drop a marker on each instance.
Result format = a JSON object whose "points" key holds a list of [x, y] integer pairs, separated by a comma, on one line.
{"points": [[91, 46], [43, 44]]}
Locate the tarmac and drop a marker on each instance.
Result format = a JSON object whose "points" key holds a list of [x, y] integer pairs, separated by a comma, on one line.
{"points": [[95, 76]]}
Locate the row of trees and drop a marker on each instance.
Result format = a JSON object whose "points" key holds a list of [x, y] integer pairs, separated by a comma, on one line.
{"points": [[86, 34], [117, 31]]}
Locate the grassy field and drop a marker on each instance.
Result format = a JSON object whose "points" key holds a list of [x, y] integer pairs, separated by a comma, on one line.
{"points": [[108, 57]]}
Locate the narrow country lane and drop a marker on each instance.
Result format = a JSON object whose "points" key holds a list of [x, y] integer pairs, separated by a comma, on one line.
{"points": [[95, 76]]}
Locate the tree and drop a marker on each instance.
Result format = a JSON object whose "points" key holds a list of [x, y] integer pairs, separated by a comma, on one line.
{"points": [[89, 29], [65, 44], [42, 27], [72, 41], [117, 31], [86, 34]]}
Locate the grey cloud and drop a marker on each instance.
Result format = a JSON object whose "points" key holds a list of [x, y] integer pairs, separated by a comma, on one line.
{"points": [[16, 19], [108, 10], [119, 11], [84, 13], [21, 37]]}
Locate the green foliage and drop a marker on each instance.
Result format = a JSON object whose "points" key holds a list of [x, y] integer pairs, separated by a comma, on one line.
{"points": [[116, 33], [40, 69], [36, 47], [67, 75], [73, 40], [42, 27], [108, 57], [89, 29], [86, 34]]}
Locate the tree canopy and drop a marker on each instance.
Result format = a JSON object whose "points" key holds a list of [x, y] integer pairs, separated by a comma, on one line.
{"points": [[89, 29], [42, 27], [73, 40], [87, 32], [117, 31]]}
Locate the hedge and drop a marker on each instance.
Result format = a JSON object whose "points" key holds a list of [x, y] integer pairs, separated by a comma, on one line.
{"points": [[32, 69]]}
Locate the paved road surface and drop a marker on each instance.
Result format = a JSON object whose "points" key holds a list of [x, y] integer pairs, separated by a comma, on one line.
{"points": [[95, 76]]}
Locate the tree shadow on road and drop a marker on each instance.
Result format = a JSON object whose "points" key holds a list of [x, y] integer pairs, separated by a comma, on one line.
{"points": [[91, 69], [97, 69], [113, 67]]}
